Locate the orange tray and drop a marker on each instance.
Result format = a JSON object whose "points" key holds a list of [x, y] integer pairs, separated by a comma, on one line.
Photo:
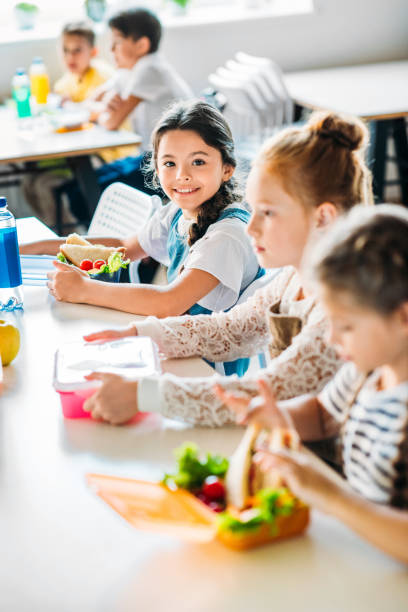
{"points": [[154, 507]]}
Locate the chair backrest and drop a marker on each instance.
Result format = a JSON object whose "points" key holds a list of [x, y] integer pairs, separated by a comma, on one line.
{"points": [[242, 111], [274, 104], [274, 76], [121, 211]]}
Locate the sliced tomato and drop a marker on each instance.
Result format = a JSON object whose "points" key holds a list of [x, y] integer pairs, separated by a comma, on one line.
{"points": [[99, 263], [86, 264]]}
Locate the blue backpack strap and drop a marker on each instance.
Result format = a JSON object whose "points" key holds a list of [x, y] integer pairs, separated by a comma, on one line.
{"points": [[177, 248], [236, 213]]}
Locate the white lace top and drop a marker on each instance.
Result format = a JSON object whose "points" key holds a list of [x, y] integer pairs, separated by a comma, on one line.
{"points": [[303, 367]]}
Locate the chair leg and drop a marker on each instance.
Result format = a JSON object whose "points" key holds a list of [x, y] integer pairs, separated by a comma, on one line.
{"points": [[58, 210]]}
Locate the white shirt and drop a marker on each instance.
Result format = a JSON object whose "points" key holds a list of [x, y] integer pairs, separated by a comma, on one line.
{"points": [[157, 83], [224, 251]]}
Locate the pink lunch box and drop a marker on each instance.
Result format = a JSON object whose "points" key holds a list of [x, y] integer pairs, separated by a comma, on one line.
{"points": [[132, 358]]}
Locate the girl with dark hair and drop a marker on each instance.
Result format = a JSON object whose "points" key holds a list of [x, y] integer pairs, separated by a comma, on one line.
{"points": [[200, 235], [361, 270]]}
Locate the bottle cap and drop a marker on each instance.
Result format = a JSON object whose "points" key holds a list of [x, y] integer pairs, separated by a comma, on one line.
{"points": [[37, 59], [20, 71], [3, 202]]}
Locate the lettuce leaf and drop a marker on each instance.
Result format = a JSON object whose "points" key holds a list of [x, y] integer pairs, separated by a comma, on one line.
{"points": [[193, 469], [115, 263], [62, 258], [268, 505]]}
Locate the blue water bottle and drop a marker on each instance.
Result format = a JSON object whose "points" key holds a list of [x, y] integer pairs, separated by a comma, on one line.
{"points": [[11, 293]]}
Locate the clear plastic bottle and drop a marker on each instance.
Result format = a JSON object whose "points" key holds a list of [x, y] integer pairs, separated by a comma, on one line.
{"points": [[20, 86], [40, 83], [11, 291]]}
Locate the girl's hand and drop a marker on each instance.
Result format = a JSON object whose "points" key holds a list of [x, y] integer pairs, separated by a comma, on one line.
{"points": [[262, 410], [111, 334], [67, 283], [115, 401], [306, 476]]}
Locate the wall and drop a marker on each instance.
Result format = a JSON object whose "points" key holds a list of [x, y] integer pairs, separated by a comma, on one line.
{"points": [[338, 32]]}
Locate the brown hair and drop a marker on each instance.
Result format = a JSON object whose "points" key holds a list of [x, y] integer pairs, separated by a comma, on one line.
{"points": [[323, 161], [366, 255], [202, 118], [137, 22], [80, 28]]}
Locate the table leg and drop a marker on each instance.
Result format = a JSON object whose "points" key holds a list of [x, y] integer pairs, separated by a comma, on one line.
{"points": [[86, 176], [376, 156], [399, 131]]}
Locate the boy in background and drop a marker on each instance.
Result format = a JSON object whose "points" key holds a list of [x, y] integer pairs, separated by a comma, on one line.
{"points": [[84, 75], [142, 87]]}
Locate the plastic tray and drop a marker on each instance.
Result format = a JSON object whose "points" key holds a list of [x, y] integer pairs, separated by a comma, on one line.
{"points": [[153, 507]]}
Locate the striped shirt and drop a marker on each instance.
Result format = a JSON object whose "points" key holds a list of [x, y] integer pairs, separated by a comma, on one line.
{"points": [[374, 434]]}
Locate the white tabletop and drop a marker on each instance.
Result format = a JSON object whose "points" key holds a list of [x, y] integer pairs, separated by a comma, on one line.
{"points": [[32, 140], [371, 91], [63, 549]]}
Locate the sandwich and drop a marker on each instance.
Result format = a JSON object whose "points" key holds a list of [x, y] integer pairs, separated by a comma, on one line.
{"points": [[93, 258], [252, 508]]}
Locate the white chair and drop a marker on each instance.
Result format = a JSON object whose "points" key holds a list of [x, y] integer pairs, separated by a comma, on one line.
{"points": [[273, 74], [120, 212], [244, 113], [272, 100]]}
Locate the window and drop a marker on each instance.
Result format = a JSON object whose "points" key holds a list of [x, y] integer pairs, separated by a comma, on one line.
{"points": [[60, 12]]}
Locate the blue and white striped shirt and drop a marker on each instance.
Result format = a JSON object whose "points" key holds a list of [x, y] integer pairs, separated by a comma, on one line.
{"points": [[374, 435]]}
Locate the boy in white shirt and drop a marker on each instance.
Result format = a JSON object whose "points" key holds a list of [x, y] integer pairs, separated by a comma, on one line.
{"points": [[143, 86]]}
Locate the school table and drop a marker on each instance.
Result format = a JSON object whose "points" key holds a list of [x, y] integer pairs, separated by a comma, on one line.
{"points": [[28, 141], [377, 93], [65, 550]]}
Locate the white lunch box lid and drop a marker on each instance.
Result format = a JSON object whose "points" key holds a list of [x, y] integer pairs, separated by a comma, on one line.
{"points": [[133, 358]]}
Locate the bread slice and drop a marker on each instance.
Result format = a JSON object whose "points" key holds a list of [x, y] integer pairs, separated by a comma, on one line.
{"points": [[76, 239], [76, 253], [237, 476], [244, 478]]}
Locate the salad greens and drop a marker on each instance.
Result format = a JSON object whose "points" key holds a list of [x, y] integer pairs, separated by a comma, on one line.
{"points": [[268, 505], [115, 263], [193, 469], [62, 258]]}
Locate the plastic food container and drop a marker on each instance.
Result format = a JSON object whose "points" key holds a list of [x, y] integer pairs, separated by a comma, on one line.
{"points": [[133, 358], [153, 507], [109, 277]]}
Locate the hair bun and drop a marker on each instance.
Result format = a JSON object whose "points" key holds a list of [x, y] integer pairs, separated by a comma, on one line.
{"points": [[346, 131]]}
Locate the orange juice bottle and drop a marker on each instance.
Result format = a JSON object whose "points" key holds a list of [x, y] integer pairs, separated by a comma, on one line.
{"points": [[40, 84]]}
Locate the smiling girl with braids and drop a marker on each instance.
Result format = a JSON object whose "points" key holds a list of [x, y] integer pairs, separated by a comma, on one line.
{"points": [[200, 235]]}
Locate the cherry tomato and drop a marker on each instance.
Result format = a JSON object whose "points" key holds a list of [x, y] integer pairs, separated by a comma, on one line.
{"points": [[99, 263], [213, 488], [86, 264]]}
